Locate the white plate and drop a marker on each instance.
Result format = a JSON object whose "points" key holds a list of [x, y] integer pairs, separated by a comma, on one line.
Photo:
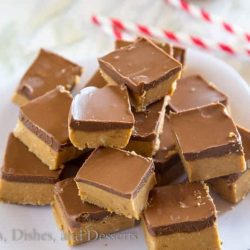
{"points": [[27, 227]]}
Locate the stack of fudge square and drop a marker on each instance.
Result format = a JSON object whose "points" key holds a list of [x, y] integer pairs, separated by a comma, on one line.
{"points": [[107, 157]]}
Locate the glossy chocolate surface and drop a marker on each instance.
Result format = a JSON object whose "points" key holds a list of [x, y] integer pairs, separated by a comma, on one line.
{"points": [[47, 117], [193, 92], [46, 72]]}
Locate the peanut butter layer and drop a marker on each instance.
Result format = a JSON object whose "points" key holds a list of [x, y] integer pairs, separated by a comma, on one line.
{"points": [[179, 208], [76, 211], [47, 71], [193, 92], [47, 118], [96, 80], [20, 165], [95, 109], [141, 65], [147, 122], [116, 171], [206, 132]]}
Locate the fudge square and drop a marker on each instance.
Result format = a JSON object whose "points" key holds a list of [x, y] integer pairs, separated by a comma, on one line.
{"points": [[24, 178], [116, 180], [148, 126], [43, 128], [208, 142], [168, 165], [235, 187], [148, 71], [101, 117], [82, 222], [181, 217], [193, 92], [46, 72]]}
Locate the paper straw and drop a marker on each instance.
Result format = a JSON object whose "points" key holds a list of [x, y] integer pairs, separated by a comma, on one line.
{"points": [[210, 18], [167, 35]]}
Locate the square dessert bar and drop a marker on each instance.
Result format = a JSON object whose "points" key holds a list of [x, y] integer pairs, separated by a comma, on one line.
{"points": [[43, 128], [46, 72], [147, 71], [101, 117], [181, 217], [96, 80], [193, 92], [208, 142], [24, 178], [168, 165], [116, 180], [235, 187], [148, 126], [82, 222]]}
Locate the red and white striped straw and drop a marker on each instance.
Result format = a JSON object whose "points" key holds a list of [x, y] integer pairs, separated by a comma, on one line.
{"points": [[210, 18], [167, 35]]}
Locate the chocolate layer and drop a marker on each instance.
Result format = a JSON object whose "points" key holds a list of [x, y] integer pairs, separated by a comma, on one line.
{"points": [[208, 131], [193, 92], [101, 109], [47, 117], [141, 65], [21, 165], [76, 211], [179, 54], [182, 208], [165, 46], [47, 71], [116, 171], [96, 80], [147, 122]]}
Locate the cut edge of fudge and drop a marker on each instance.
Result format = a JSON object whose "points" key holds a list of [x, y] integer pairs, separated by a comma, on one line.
{"points": [[123, 197]]}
